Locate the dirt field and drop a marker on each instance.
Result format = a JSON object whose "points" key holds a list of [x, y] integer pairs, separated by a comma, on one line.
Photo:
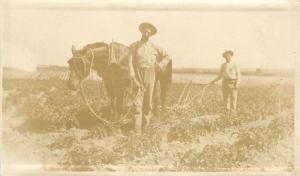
{"points": [[46, 125]]}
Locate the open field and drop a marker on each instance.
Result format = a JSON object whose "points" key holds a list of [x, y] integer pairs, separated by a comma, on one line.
{"points": [[47, 125], [202, 76], [246, 79]]}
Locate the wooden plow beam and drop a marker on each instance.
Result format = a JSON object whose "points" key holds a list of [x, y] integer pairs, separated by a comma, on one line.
{"points": [[186, 99]]}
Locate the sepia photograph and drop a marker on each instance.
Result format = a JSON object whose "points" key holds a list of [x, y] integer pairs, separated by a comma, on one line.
{"points": [[173, 87]]}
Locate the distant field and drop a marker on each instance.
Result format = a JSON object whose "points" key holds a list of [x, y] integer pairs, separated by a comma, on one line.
{"points": [[179, 75], [246, 79], [244, 71]]}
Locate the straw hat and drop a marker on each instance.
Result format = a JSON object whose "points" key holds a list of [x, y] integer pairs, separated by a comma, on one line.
{"points": [[227, 52], [148, 26]]}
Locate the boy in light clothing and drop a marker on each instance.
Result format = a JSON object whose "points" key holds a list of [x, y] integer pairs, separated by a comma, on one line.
{"points": [[231, 76]]}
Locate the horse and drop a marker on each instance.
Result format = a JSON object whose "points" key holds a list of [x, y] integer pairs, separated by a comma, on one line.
{"points": [[110, 61]]}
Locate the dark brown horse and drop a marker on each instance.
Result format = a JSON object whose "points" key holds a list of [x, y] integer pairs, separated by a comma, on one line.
{"points": [[110, 61]]}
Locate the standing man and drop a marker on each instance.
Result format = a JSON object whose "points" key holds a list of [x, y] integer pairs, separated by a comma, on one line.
{"points": [[145, 59], [231, 76]]}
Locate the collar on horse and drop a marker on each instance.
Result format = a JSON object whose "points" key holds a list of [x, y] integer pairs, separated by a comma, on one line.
{"points": [[88, 64]]}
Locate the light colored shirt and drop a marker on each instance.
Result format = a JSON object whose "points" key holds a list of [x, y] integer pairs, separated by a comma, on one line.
{"points": [[146, 54], [229, 71]]}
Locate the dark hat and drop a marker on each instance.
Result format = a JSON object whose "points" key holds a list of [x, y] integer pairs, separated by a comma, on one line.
{"points": [[227, 52], [149, 26]]}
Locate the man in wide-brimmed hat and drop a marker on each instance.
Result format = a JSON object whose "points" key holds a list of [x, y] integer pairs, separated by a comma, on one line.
{"points": [[146, 58], [231, 76], [147, 26]]}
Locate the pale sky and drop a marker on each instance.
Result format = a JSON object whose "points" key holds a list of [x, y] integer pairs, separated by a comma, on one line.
{"points": [[259, 39]]}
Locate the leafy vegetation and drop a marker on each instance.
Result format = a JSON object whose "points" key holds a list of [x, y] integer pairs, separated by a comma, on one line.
{"points": [[195, 138]]}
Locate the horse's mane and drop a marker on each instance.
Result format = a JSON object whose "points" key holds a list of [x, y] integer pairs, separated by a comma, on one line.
{"points": [[120, 51], [120, 44], [94, 45], [100, 45]]}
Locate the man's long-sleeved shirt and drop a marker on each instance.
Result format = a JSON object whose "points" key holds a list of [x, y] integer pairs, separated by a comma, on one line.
{"points": [[229, 71], [146, 54]]}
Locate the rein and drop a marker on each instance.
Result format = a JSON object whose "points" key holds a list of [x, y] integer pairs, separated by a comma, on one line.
{"points": [[84, 94], [85, 98]]}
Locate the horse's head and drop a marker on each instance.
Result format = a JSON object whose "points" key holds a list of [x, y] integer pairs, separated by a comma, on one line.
{"points": [[79, 68], [81, 62]]}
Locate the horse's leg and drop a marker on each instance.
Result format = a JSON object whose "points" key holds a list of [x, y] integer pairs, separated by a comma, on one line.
{"points": [[120, 96], [164, 88], [114, 108], [116, 86], [156, 98], [113, 101], [109, 88], [163, 93], [120, 102]]}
